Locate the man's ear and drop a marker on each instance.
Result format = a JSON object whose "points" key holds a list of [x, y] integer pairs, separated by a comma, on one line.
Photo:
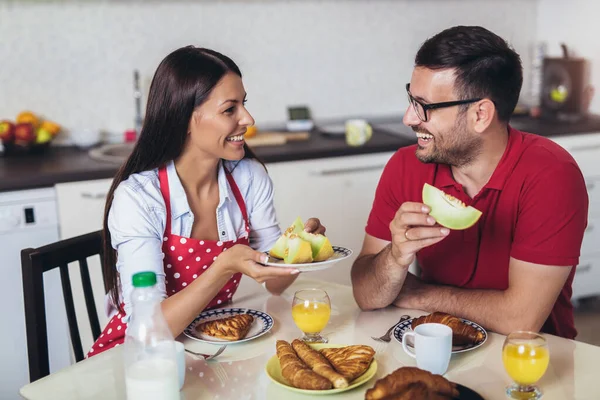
{"points": [[482, 115]]}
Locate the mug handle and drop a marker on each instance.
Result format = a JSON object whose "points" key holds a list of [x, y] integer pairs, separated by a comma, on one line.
{"points": [[404, 346]]}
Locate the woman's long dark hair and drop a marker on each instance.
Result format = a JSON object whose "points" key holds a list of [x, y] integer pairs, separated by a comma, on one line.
{"points": [[182, 82]]}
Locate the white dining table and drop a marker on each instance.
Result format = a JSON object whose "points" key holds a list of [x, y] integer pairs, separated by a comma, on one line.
{"points": [[239, 372]]}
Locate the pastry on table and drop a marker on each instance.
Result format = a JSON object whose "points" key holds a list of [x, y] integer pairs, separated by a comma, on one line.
{"points": [[410, 383], [462, 334], [231, 328], [296, 372], [319, 364], [350, 361]]}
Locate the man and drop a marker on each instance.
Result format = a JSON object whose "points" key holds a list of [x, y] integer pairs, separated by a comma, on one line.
{"points": [[513, 269]]}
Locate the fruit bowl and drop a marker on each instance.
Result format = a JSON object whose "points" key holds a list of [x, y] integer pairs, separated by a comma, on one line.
{"points": [[14, 149], [28, 135]]}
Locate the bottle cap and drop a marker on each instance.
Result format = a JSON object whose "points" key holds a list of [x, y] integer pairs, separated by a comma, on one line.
{"points": [[144, 279]]}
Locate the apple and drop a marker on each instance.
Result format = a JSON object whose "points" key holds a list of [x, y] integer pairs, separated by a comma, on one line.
{"points": [[24, 133], [7, 131], [43, 136]]}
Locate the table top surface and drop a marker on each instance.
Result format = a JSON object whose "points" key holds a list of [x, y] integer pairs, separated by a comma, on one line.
{"points": [[239, 373]]}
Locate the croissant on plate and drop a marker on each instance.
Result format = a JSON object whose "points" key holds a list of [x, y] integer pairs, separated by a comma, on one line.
{"points": [[462, 334], [410, 383], [235, 327], [319, 364], [296, 372], [350, 361]]}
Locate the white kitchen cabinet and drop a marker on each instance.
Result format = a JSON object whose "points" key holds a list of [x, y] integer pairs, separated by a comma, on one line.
{"points": [[339, 191], [80, 211], [585, 149]]}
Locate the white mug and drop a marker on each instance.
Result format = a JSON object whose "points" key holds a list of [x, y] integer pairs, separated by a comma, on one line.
{"points": [[433, 347]]}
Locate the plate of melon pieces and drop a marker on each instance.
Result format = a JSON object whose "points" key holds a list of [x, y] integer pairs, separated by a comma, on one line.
{"points": [[305, 251]]}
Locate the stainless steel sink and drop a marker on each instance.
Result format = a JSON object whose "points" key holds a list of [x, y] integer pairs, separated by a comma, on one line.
{"points": [[113, 153]]}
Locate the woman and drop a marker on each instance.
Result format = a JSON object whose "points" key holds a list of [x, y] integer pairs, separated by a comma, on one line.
{"points": [[190, 161]]}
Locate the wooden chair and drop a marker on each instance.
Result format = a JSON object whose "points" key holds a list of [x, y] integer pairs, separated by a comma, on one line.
{"points": [[34, 263]]}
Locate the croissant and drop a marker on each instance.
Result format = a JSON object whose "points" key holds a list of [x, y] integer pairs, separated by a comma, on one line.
{"points": [[402, 385], [350, 361], [319, 364], [296, 372], [230, 328], [462, 334], [415, 391]]}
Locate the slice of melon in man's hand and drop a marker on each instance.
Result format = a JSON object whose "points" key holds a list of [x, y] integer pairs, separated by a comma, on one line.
{"points": [[449, 211], [278, 250]]}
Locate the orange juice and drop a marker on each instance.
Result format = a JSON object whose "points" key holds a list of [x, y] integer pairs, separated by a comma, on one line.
{"points": [[311, 316], [525, 363]]}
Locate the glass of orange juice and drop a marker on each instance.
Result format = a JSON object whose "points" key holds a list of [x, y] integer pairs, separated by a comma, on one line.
{"points": [[311, 309], [525, 356]]}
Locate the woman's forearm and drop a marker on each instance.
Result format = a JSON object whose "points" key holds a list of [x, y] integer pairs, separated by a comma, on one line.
{"points": [[181, 308]]}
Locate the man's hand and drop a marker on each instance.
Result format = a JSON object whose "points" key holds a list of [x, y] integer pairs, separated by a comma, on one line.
{"points": [[313, 225], [413, 229]]}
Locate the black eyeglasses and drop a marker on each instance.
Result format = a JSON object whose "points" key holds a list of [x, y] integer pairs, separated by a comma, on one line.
{"points": [[421, 108]]}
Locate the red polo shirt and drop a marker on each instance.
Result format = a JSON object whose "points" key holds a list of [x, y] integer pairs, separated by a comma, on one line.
{"points": [[534, 209]]}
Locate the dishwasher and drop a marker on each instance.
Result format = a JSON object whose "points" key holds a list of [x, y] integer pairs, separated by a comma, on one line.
{"points": [[28, 218]]}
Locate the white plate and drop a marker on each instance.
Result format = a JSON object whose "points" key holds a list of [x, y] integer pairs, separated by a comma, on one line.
{"points": [[406, 326], [339, 253], [262, 324]]}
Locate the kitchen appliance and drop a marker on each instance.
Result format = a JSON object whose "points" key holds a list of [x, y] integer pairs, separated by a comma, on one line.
{"points": [[299, 119], [563, 94], [28, 218]]}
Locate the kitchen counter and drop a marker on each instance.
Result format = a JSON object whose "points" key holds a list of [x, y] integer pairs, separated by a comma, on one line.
{"points": [[69, 164]]}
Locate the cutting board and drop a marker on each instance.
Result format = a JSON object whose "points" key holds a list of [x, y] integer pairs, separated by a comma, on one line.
{"points": [[276, 138]]}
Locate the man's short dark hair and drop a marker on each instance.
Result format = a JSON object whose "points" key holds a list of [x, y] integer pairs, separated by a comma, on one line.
{"points": [[486, 66]]}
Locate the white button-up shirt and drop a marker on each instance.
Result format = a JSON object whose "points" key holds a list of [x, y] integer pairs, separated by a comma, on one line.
{"points": [[137, 219]]}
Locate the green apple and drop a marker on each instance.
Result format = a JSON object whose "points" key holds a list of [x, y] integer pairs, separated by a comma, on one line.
{"points": [[43, 136]]}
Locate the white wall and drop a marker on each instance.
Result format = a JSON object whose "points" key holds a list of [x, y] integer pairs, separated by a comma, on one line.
{"points": [[73, 62], [575, 23]]}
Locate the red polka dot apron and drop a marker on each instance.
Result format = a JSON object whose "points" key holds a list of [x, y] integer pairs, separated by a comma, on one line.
{"points": [[185, 259]]}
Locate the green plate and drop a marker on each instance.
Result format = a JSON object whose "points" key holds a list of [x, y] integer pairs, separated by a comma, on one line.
{"points": [[274, 372]]}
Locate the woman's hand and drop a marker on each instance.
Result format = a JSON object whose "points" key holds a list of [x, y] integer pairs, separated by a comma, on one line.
{"points": [[313, 225], [241, 258]]}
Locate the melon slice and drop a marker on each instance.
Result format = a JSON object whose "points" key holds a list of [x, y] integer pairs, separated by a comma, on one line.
{"points": [[320, 245], [278, 250], [449, 211], [298, 251]]}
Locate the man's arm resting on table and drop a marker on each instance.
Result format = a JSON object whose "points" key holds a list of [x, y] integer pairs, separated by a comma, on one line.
{"points": [[525, 305], [376, 278]]}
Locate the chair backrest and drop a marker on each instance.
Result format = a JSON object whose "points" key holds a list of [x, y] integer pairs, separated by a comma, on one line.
{"points": [[34, 263]]}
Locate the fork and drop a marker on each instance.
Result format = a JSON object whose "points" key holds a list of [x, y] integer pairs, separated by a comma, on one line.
{"points": [[208, 356], [387, 336]]}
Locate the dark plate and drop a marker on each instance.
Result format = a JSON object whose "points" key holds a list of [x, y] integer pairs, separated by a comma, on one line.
{"points": [[467, 394]]}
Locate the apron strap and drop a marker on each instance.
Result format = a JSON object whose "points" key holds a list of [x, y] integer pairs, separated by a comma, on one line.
{"points": [[163, 179], [238, 197]]}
